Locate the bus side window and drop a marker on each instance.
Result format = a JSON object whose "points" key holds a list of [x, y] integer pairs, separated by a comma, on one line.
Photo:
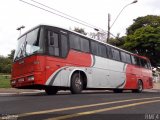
{"points": [[109, 53], [135, 60], [128, 58], [84, 43], [144, 63], [115, 54], [123, 57], [94, 48], [64, 45], [53, 43], [102, 50], [98, 49], [74, 41]]}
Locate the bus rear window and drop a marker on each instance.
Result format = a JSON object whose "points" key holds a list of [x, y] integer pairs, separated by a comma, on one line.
{"points": [[144, 63]]}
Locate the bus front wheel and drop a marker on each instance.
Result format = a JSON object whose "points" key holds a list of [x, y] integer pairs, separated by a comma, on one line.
{"points": [[76, 83]]}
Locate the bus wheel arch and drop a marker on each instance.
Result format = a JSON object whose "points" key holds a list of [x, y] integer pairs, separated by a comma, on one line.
{"points": [[140, 86], [78, 81]]}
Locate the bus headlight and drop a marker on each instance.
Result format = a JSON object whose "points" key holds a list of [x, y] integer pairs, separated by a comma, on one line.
{"points": [[13, 82], [21, 80], [31, 78]]}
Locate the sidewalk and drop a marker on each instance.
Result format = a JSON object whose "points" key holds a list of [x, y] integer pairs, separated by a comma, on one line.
{"points": [[14, 91], [156, 86]]}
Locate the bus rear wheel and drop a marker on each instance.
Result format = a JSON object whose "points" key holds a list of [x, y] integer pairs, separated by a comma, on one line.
{"points": [[76, 83], [51, 90], [139, 87]]}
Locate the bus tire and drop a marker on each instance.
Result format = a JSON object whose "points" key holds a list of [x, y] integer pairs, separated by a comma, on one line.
{"points": [[76, 83], [139, 87], [51, 90]]}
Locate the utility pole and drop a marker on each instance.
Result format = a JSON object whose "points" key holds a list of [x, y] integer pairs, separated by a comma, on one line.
{"points": [[110, 26], [109, 20]]}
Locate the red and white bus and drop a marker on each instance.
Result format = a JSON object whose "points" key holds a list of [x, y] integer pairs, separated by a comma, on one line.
{"points": [[53, 59]]}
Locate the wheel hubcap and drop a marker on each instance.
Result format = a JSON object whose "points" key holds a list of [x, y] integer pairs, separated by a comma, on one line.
{"points": [[78, 83], [140, 87]]}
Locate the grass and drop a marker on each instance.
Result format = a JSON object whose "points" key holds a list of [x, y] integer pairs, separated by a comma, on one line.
{"points": [[5, 81]]}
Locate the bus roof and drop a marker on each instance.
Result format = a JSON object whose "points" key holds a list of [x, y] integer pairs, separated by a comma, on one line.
{"points": [[82, 36]]}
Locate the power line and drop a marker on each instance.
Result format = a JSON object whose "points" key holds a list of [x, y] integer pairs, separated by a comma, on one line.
{"points": [[53, 13], [63, 13], [69, 17]]}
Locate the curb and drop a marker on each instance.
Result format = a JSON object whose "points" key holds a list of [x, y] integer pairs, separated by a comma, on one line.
{"points": [[152, 90], [42, 92], [22, 93], [158, 90], [7, 94]]}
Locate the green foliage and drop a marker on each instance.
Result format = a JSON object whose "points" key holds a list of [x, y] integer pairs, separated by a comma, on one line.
{"points": [[6, 63], [118, 41], [11, 55], [143, 37], [5, 81], [152, 20], [80, 30]]}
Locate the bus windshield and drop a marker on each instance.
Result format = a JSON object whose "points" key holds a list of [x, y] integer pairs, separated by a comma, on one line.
{"points": [[28, 44]]}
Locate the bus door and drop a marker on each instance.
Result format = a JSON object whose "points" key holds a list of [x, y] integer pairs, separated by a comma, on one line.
{"points": [[57, 47]]}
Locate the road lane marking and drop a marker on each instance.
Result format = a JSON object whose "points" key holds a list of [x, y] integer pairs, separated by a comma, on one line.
{"points": [[101, 110], [81, 106]]}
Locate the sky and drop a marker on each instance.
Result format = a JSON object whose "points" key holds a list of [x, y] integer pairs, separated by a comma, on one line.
{"points": [[14, 13]]}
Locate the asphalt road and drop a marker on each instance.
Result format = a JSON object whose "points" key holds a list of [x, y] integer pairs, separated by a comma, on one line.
{"points": [[87, 106]]}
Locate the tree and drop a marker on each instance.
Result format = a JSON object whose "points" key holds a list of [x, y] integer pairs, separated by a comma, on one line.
{"points": [[143, 37], [118, 41], [5, 65], [6, 62], [152, 20], [11, 55], [80, 30]]}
